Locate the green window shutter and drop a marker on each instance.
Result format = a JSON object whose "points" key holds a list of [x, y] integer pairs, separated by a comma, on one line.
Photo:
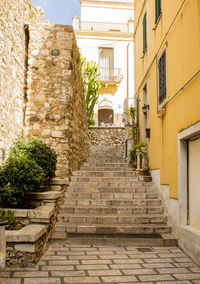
{"points": [[145, 32], [157, 9]]}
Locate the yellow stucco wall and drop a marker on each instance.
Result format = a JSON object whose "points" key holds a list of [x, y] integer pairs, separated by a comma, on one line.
{"points": [[178, 30]]}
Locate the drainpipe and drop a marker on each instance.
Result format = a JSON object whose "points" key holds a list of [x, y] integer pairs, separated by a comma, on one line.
{"points": [[127, 94], [2, 245]]}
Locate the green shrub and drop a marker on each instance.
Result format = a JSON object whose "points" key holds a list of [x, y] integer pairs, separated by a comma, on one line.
{"points": [[140, 145], [133, 155], [13, 223], [19, 175], [37, 150]]}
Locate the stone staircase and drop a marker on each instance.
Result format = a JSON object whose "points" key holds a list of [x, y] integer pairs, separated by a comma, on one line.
{"points": [[107, 203]]}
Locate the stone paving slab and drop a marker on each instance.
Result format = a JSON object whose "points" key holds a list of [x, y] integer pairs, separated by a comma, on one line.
{"points": [[64, 263]]}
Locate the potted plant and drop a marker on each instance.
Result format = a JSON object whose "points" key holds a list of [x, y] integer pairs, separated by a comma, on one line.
{"points": [[133, 159]]}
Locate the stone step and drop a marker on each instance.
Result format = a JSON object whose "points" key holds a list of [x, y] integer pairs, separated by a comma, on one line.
{"points": [[106, 165], [111, 209], [118, 184], [97, 189], [112, 219], [112, 202], [111, 174], [103, 179], [155, 240], [104, 160], [106, 169], [84, 195], [112, 228]]}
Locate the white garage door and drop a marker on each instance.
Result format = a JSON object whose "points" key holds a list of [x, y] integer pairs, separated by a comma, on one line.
{"points": [[194, 182]]}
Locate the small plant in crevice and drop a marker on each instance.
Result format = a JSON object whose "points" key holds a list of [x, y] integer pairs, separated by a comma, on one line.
{"points": [[13, 222]]}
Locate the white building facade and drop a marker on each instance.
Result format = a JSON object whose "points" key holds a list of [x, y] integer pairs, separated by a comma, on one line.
{"points": [[105, 35]]}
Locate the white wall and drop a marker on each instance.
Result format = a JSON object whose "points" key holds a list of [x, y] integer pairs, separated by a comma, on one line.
{"points": [[89, 48], [101, 14]]}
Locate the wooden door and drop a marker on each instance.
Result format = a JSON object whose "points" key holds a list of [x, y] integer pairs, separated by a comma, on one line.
{"points": [[194, 187], [105, 116]]}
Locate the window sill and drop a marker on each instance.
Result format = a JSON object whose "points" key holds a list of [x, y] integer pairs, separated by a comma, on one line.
{"points": [[157, 22]]}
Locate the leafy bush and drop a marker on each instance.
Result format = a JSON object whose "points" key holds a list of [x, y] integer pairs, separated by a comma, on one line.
{"points": [[133, 155], [140, 145], [30, 163], [13, 223], [19, 175], [37, 150]]}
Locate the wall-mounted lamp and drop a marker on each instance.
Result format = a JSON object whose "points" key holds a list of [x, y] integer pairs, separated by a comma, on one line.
{"points": [[144, 108], [147, 132]]}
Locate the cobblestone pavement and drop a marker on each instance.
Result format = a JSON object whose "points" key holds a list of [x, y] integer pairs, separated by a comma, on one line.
{"points": [[107, 264]]}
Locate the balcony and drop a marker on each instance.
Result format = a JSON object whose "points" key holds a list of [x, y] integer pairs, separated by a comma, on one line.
{"points": [[107, 27], [115, 1], [110, 75]]}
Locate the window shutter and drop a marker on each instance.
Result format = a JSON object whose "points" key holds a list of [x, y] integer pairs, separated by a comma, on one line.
{"points": [[145, 32], [162, 77], [157, 9]]}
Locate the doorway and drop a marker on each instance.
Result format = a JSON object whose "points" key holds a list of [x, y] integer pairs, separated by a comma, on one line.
{"points": [[193, 182], [105, 117]]}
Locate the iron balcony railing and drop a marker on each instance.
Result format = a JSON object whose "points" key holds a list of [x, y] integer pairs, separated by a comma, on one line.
{"points": [[106, 27], [110, 75], [116, 1]]}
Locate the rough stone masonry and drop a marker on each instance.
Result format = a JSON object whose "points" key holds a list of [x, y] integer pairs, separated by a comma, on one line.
{"points": [[13, 17], [41, 90], [55, 109]]}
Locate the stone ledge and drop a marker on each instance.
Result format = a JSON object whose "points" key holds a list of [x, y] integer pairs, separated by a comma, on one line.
{"points": [[47, 195], [42, 212], [64, 181], [189, 241], [28, 234]]}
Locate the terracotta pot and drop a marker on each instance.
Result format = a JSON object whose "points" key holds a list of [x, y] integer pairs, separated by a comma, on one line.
{"points": [[144, 172]]}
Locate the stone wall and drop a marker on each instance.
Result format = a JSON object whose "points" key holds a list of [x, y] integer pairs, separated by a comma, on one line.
{"points": [[107, 136], [55, 109], [13, 37]]}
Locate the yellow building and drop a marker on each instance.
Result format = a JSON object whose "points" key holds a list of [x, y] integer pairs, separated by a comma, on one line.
{"points": [[167, 95]]}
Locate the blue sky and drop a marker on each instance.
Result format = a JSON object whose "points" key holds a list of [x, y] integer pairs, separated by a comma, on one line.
{"points": [[59, 11]]}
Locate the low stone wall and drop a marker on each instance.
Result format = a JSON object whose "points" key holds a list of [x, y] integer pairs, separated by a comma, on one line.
{"points": [[26, 246], [107, 136], [55, 109]]}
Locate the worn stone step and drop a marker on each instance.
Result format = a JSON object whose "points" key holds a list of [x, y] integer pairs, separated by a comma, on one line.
{"points": [[111, 209], [104, 160], [103, 179], [105, 174], [155, 240], [72, 195], [96, 189], [112, 228], [106, 165], [115, 184], [112, 202], [113, 218]]}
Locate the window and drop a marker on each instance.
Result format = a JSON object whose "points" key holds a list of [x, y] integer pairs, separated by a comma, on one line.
{"points": [[145, 32], [106, 63], [158, 10], [162, 77]]}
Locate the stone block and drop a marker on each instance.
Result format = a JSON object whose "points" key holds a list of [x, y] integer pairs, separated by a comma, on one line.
{"points": [[29, 234]]}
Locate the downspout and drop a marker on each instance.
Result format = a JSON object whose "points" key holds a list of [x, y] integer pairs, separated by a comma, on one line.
{"points": [[127, 91]]}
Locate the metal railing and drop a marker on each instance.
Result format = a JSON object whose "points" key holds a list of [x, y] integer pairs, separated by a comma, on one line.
{"points": [[110, 74], [116, 1], [105, 27]]}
